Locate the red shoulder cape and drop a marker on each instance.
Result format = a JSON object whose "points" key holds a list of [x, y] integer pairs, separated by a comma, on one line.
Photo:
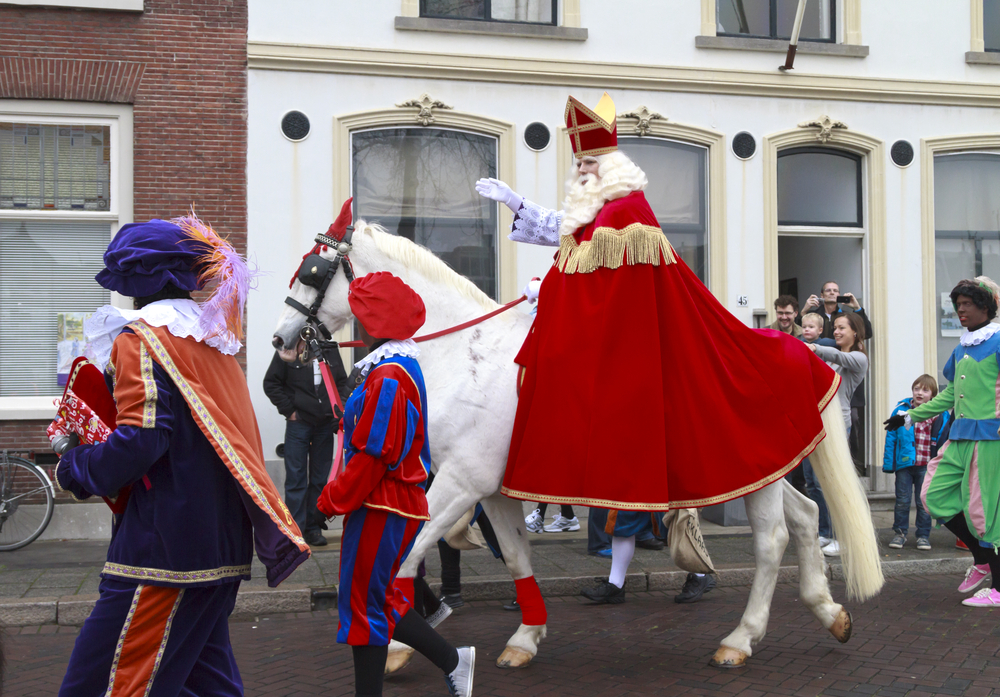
{"points": [[642, 392]]}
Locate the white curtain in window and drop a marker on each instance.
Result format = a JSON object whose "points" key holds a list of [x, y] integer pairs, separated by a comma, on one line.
{"points": [[522, 10], [45, 268], [967, 192]]}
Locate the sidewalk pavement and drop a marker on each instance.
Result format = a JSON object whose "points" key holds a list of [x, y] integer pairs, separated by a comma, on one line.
{"points": [[56, 582]]}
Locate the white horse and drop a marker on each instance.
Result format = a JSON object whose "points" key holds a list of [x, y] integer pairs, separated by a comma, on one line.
{"points": [[471, 395]]}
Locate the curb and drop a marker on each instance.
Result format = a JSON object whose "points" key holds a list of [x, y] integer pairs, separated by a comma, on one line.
{"points": [[72, 610]]}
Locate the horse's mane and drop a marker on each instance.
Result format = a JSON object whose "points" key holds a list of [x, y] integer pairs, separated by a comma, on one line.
{"points": [[424, 262]]}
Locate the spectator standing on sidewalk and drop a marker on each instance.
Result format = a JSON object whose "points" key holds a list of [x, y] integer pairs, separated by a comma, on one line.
{"points": [[564, 521], [907, 452], [786, 307], [297, 390], [850, 360], [813, 328]]}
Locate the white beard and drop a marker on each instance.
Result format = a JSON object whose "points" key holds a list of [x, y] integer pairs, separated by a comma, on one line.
{"points": [[583, 202]]}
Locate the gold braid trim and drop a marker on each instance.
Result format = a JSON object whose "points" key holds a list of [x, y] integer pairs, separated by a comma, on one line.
{"points": [[610, 248]]}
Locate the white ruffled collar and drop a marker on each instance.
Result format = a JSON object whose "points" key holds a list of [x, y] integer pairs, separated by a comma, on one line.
{"points": [[980, 335], [396, 347], [181, 317]]}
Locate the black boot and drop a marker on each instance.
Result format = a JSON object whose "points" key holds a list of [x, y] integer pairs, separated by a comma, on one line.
{"points": [[605, 592], [695, 586]]}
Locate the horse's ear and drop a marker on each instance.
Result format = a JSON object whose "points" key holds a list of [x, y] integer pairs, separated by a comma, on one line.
{"points": [[366, 228]]}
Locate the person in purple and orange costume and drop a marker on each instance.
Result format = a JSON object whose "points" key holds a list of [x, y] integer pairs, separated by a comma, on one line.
{"points": [[187, 444], [381, 491]]}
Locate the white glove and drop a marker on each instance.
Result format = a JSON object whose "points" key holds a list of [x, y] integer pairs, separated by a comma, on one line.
{"points": [[531, 290], [498, 191], [907, 421]]}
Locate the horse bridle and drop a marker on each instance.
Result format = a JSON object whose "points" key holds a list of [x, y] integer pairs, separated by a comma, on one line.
{"points": [[317, 272]]}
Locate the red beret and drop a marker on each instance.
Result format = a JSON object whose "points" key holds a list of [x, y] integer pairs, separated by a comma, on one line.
{"points": [[385, 306]]}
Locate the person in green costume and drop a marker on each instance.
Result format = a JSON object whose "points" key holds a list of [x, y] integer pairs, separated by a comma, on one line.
{"points": [[962, 485]]}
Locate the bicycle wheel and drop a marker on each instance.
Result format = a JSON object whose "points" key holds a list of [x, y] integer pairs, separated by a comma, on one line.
{"points": [[26, 502]]}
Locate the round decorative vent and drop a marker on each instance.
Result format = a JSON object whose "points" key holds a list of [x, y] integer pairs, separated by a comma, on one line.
{"points": [[901, 153], [537, 136], [744, 145], [295, 125]]}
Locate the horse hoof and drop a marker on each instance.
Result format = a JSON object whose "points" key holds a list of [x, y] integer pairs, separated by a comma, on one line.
{"points": [[397, 660], [513, 657], [841, 627], [727, 657]]}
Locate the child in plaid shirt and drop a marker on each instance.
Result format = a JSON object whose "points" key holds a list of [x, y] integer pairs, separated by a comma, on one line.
{"points": [[907, 452]]}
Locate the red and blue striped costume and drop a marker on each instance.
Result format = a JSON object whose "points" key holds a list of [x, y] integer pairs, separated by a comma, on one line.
{"points": [[381, 492]]}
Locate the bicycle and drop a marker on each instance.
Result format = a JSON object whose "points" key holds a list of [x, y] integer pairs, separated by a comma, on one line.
{"points": [[27, 500]]}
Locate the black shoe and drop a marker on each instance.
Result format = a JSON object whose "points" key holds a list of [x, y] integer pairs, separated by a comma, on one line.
{"points": [[651, 543], [695, 586], [453, 601], [605, 592], [314, 538], [512, 605]]}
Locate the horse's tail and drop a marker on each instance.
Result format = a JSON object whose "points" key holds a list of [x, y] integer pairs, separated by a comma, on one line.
{"points": [[848, 506]]}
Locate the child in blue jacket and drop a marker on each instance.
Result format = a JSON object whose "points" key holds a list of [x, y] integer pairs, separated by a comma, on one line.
{"points": [[907, 452]]}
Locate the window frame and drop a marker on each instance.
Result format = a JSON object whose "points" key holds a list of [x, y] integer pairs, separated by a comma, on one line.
{"points": [[703, 197], [59, 113], [859, 177], [773, 25], [487, 12], [496, 138]]}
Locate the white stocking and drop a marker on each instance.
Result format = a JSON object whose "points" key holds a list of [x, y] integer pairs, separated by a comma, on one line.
{"points": [[622, 549]]}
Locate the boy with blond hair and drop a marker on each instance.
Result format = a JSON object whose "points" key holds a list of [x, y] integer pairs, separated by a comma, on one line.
{"points": [[907, 452]]}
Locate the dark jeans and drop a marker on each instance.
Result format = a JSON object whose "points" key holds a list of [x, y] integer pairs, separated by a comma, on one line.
{"points": [[814, 492], [308, 456], [564, 510], [909, 482]]}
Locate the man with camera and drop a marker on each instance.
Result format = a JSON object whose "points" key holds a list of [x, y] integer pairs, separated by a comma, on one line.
{"points": [[829, 302]]}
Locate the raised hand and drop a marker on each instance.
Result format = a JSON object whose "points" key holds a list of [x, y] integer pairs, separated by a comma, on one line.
{"points": [[498, 191]]}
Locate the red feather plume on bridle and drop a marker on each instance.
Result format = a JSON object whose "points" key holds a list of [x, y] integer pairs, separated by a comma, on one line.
{"points": [[337, 231]]}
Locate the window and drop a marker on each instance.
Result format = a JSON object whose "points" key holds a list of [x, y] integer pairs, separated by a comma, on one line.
{"points": [[59, 167], [46, 268], [526, 11], [820, 187], [966, 233], [991, 25], [677, 193], [773, 19], [420, 183]]}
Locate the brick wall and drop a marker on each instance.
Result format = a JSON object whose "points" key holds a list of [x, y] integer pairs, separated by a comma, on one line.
{"points": [[182, 65]]}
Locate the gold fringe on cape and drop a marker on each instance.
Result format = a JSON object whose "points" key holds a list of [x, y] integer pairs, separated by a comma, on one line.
{"points": [[610, 248]]}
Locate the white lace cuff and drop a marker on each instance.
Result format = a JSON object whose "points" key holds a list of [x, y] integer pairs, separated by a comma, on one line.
{"points": [[536, 225]]}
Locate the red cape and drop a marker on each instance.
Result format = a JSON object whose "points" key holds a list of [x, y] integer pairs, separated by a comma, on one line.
{"points": [[642, 392]]}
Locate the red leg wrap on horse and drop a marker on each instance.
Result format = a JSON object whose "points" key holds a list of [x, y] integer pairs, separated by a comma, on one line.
{"points": [[405, 586], [529, 597]]}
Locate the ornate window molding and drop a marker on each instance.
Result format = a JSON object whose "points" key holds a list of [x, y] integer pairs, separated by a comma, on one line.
{"points": [[929, 147], [873, 151], [658, 126], [403, 116]]}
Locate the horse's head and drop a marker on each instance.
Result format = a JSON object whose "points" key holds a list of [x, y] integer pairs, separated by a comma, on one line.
{"points": [[334, 311]]}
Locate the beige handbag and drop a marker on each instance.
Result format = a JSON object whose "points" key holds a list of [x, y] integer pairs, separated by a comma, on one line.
{"points": [[461, 535], [687, 548]]}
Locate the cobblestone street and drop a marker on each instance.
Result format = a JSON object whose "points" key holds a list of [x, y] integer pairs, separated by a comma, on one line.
{"points": [[914, 639]]}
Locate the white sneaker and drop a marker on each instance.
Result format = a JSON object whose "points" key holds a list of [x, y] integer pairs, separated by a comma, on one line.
{"points": [[459, 681], [824, 541], [560, 524], [440, 615], [832, 549], [534, 521]]}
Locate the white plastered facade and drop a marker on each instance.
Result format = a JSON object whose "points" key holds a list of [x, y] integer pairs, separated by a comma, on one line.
{"points": [[335, 62]]}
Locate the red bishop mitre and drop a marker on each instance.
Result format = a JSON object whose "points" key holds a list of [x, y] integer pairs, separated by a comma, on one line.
{"points": [[385, 306], [592, 132]]}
